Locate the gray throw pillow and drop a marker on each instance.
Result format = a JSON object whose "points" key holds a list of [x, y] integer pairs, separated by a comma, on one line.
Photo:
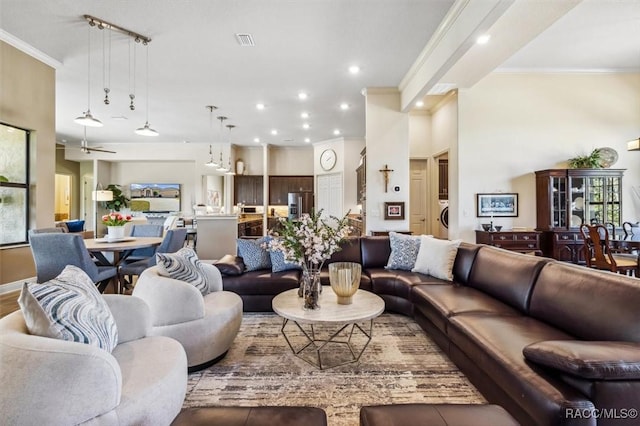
{"points": [[69, 307], [404, 251]]}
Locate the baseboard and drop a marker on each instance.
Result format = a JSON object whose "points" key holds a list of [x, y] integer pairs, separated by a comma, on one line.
{"points": [[15, 285]]}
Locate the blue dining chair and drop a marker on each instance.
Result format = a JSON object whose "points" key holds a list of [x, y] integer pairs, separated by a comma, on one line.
{"points": [[144, 230], [53, 251], [173, 240]]}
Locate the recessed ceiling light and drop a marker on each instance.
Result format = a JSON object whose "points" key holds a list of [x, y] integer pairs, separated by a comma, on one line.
{"points": [[354, 69], [307, 140], [483, 39], [302, 96], [304, 115], [336, 132], [419, 104], [256, 140], [274, 132], [305, 125], [344, 106], [260, 106]]}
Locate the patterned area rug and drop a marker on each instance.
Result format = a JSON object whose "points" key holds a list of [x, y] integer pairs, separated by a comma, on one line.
{"points": [[400, 365]]}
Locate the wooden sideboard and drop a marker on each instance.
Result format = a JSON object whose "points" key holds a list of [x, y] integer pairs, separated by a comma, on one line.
{"points": [[521, 241]]}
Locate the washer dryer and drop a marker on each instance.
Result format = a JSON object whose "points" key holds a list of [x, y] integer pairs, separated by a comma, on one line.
{"points": [[443, 218]]}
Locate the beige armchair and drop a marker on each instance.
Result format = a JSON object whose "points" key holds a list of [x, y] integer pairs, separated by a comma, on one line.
{"points": [[56, 382], [205, 325]]}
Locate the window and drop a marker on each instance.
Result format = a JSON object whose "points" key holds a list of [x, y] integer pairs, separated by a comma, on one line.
{"points": [[14, 185]]}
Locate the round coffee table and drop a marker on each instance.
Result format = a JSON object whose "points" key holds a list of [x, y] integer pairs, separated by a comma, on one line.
{"points": [[366, 306]]}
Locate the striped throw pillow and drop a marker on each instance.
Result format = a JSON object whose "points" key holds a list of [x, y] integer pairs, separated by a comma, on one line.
{"points": [[69, 307], [183, 265]]}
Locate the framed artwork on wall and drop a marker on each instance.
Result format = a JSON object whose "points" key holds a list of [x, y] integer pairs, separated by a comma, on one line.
{"points": [[394, 210], [497, 205]]}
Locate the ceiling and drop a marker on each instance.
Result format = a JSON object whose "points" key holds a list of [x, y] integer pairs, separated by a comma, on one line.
{"points": [[195, 60]]}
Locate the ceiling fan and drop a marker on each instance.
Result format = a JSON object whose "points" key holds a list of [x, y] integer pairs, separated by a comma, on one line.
{"points": [[84, 146]]}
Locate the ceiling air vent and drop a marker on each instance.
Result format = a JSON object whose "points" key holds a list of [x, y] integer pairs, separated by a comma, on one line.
{"points": [[245, 39]]}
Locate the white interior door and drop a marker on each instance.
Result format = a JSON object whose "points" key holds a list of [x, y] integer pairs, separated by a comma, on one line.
{"points": [[329, 195], [418, 195]]}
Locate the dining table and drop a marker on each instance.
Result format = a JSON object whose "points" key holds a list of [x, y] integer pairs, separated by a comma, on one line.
{"points": [[625, 243], [120, 249]]}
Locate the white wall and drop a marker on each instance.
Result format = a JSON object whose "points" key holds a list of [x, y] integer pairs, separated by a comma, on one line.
{"points": [[182, 172], [511, 125], [290, 160], [419, 134], [347, 160], [387, 130]]}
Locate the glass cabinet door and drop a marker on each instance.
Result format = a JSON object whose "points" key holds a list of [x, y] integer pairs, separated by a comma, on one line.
{"points": [[595, 199], [603, 200], [577, 203], [559, 202]]}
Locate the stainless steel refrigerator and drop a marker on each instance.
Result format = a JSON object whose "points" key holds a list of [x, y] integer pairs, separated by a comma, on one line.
{"points": [[299, 203]]}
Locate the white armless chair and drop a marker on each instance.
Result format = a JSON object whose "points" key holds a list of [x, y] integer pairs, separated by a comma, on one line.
{"points": [[205, 325]]}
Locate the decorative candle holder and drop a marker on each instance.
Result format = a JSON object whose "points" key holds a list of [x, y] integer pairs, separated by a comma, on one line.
{"points": [[345, 280]]}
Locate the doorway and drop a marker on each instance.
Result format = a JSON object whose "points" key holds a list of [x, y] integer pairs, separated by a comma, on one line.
{"points": [[62, 205], [418, 196], [88, 213], [440, 224]]}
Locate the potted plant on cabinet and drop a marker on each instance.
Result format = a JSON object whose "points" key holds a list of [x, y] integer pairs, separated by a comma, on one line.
{"points": [[591, 161]]}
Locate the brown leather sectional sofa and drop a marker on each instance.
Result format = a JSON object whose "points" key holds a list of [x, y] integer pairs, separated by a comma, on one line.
{"points": [[579, 328]]}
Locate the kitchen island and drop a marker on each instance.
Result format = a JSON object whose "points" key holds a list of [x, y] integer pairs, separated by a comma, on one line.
{"points": [[217, 235]]}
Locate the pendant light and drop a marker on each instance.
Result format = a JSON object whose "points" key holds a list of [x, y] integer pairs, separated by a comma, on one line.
{"points": [[86, 119], [106, 67], [229, 168], [146, 130], [211, 162], [221, 167]]}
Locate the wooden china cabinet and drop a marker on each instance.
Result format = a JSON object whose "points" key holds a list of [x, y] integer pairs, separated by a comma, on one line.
{"points": [[567, 198]]}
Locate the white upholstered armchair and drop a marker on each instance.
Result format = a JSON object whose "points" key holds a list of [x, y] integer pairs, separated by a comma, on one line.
{"points": [[57, 382], [205, 325]]}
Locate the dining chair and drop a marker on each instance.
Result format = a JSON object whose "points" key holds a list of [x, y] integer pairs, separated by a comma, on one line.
{"points": [[56, 230], [630, 229], [171, 243], [598, 253], [53, 251], [144, 230]]}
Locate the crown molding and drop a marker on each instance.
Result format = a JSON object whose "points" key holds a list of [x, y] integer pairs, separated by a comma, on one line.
{"points": [[29, 50]]}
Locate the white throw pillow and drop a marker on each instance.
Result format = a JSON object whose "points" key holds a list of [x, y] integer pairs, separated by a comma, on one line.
{"points": [[436, 257], [69, 307], [183, 265]]}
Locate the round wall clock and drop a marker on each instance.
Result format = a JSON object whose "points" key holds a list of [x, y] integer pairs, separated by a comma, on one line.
{"points": [[328, 159]]}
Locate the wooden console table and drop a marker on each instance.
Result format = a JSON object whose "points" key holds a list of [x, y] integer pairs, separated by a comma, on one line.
{"points": [[520, 241]]}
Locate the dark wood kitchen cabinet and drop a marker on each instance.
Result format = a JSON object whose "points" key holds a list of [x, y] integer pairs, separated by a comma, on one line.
{"points": [[247, 190], [280, 186]]}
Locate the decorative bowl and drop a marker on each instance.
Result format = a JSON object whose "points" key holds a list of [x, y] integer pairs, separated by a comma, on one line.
{"points": [[486, 226], [345, 280], [498, 227]]}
